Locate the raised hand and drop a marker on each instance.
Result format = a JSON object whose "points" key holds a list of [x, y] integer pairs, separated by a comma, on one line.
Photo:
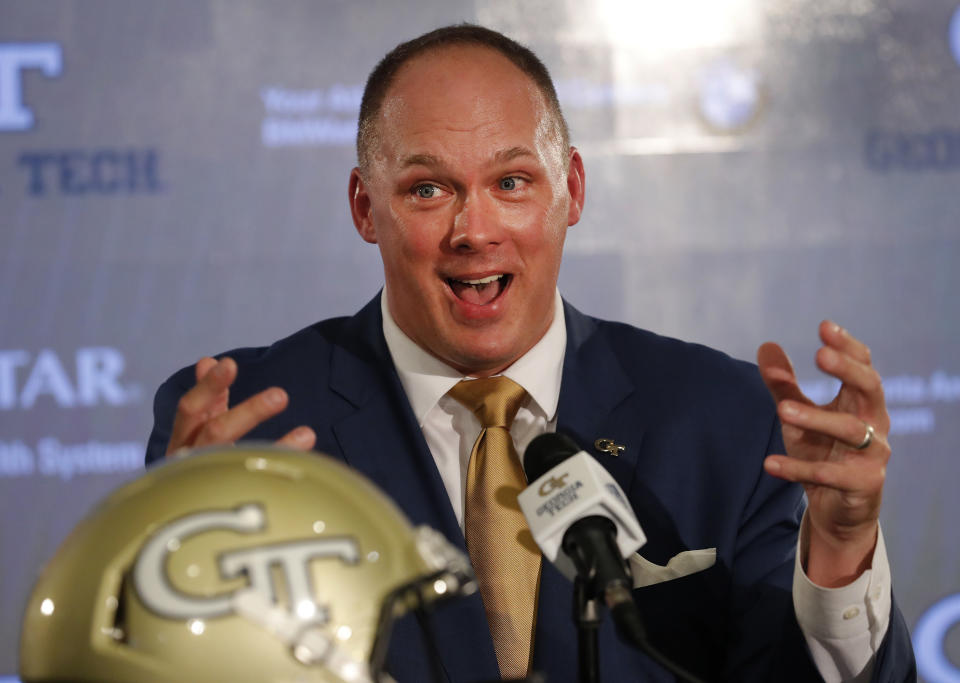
{"points": [[203, 417], [838, 451]]}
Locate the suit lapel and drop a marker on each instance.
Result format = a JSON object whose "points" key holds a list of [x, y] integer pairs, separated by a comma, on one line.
{"points": [[592, 388], [594, 385], [381, 439]]}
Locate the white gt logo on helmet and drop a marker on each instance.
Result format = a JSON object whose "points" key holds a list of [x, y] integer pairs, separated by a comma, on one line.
{"points": [[158, 594]]}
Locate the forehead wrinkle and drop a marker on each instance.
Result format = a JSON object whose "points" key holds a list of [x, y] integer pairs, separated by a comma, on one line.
{"points": [[421, 160], [499, 157]]}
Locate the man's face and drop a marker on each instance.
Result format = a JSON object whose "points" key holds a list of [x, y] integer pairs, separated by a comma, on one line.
{"points": [[468, 194]]}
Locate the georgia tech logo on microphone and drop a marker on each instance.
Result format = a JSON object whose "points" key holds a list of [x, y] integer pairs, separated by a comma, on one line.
{"points": [[159, 594], [552, 484], [562, 494]]}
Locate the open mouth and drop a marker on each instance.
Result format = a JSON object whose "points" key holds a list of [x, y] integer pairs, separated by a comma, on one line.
{"points": [[480, 291]]}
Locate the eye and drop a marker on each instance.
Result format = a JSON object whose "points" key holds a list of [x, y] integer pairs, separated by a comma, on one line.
{"points": [[426, 191], [508, 183]]}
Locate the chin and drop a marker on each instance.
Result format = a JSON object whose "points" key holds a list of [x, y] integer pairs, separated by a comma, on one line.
{"points": [[483, 360]]}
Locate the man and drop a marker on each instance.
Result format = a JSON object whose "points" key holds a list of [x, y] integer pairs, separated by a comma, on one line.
{"points": [[467, 183]]}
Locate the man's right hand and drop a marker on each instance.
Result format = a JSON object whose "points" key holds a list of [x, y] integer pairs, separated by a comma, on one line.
{"points": [[204, 419]]}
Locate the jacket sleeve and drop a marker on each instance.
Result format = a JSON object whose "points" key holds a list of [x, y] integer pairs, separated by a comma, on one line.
{"points": [[164, 409]]}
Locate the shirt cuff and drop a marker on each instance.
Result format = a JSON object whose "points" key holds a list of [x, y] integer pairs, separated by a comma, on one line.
{"points": [[844, 626]]}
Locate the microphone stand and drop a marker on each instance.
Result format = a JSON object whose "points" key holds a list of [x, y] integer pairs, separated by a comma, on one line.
{"points": [[586, 614], [607, 574]]}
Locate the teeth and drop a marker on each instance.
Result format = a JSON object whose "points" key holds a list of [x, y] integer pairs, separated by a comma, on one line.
{"points": [[482, 281]]}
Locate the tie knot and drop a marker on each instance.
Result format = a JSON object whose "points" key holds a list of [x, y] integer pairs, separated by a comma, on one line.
{"points": [[494, 400]]}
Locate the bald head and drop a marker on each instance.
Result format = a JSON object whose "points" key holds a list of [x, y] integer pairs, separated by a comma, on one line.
{"points": [[384, 75]]}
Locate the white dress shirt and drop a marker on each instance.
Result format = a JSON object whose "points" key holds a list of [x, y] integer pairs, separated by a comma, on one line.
{"points": [[843, 626]]}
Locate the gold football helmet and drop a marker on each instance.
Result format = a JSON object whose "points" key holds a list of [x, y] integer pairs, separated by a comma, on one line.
{"points": [[242, 564]]}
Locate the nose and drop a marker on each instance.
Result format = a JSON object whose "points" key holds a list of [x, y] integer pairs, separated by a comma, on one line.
{"points": [[476, 225]]}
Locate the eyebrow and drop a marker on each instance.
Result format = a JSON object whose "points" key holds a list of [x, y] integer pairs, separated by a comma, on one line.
{"points": [[430, 160], [513, 153]]}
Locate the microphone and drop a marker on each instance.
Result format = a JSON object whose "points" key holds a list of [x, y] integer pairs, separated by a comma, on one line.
{"points": [[573, 504]]}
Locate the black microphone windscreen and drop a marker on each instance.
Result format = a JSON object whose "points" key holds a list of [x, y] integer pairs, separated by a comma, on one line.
{"points": [[546, 452]]}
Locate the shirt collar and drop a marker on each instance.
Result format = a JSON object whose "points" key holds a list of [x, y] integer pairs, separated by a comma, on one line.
{"points": [[426, 379]]}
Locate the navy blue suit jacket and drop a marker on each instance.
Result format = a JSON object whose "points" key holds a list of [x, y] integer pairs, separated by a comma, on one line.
{"points": [[696, 426]]}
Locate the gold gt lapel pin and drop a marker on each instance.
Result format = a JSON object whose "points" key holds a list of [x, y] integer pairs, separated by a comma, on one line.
{"points": [[609, 446]]}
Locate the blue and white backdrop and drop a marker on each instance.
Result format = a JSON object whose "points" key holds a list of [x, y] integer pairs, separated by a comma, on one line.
{"points": [[173, 183]]}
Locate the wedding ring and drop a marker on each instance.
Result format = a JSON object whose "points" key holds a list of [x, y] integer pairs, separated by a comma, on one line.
{"points": [[867, 438]]}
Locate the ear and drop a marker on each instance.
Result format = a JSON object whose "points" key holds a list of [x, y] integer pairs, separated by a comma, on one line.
{"points": [[576, 186], [361, 208]]}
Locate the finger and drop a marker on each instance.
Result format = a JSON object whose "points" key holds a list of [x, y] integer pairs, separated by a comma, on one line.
{"points": [[777, 373], [301, 439], [203, 366], [805, 443], [851, 372], [210, 386], [843, 427], [204, 401], [836, 475], [840, 339], [236, 422], [222, 402]]}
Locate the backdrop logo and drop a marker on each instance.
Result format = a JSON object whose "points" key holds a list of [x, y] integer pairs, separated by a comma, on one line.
{"points": [[78, 172], [731, 96], [929, 638], [955, 34], [15, 58], [94, 378], [913, 151], [324, 117]]}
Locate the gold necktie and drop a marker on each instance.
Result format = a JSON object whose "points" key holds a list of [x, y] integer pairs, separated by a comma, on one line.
{"points": [[504, 556]]}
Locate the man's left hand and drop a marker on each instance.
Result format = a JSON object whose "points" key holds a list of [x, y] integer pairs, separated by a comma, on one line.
{"points": [[825, 452]]}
